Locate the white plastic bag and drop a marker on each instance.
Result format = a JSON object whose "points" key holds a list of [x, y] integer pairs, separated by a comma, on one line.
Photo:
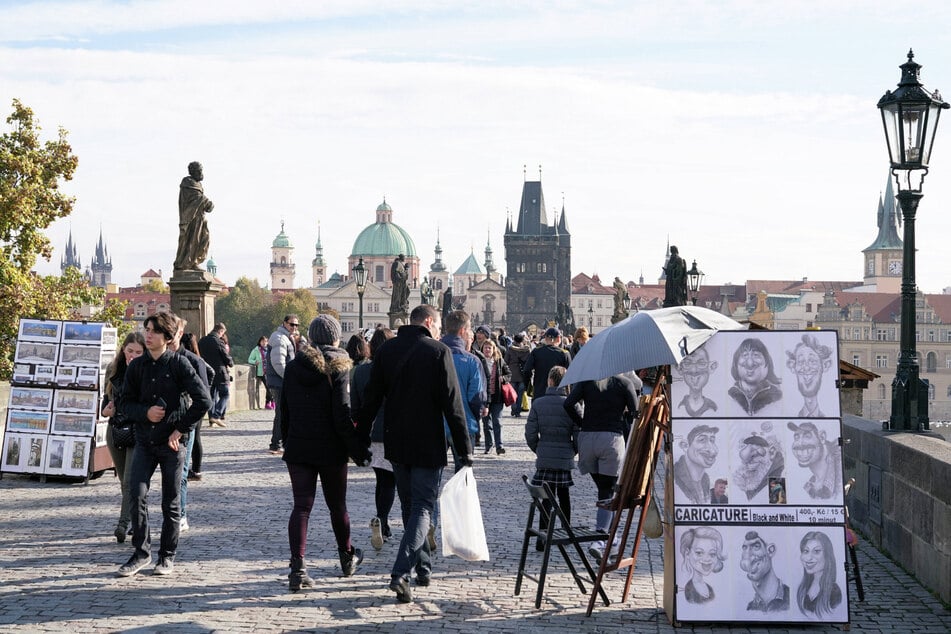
{"points": [[460, 515]]}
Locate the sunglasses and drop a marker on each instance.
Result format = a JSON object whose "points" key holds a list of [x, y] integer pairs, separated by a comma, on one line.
{"points": [[294, 325]]}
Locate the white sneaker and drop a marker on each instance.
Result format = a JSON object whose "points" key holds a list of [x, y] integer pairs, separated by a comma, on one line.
{"points": [[376, 533], [183, 525]]}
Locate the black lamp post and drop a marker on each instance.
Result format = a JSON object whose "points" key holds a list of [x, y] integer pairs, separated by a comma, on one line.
{"points": [[910, 115], [590, 317], [694, 279], [627, 304], [360, 277]]}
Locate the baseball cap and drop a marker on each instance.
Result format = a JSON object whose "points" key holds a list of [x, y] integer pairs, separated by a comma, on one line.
{"points": [[700, 429], [552, 333], [807, 426]]}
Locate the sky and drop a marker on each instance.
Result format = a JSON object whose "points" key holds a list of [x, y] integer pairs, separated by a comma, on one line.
{"points": [[744, 132]]}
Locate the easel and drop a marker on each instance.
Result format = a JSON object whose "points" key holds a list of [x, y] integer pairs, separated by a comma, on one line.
{"points": [[635, 483]]}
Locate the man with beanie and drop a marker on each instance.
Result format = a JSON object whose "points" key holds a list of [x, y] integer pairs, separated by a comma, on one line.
{"points": [[542, 359], [319, 437], [281, 351], [416, 376]]}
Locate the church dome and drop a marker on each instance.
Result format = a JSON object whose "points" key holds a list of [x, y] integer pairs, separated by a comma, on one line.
{"points": [[383, 238], [281, 241]]}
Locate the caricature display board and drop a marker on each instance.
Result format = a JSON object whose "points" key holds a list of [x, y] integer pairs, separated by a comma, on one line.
{"points": [[53, 426], [756, 484]]}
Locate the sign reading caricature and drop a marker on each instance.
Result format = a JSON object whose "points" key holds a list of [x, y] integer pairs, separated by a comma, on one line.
{"points": [[757, 480]]}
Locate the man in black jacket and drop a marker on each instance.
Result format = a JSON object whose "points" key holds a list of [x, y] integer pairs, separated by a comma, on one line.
{"points": [[542, 359], [416, 376], [215, 353], [155, 393]]}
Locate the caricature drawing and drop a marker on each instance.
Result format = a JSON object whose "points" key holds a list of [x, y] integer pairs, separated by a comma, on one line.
{"points": [[761, 458], [822, 457], [756, 385], [696, 370], [690, 470], [818, 591], [770, 594], [702, 551], [809, 360]]}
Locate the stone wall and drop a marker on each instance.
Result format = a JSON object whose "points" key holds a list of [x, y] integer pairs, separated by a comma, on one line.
{"points": [[902, 497]]}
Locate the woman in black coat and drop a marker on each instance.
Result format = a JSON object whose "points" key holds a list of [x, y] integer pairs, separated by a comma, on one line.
{"points": [[319, 436]]}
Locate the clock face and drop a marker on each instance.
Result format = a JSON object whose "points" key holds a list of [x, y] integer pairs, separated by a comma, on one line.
{"points": [[894, 267]]}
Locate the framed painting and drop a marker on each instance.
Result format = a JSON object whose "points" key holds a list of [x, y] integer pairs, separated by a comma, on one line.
{"points": [[76, 401], [74, 424], [35, 398], [109, 337], [87, 377], [40, 330], [84, 333], [16, 448], [67, 455], [66, 375], [75, 354], [36, 352], [20, 420]]}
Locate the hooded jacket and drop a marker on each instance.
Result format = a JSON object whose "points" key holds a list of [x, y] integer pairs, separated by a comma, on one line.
{"points": [[316, 426], [471, 383]]}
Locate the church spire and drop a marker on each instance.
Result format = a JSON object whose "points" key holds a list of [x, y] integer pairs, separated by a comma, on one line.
{"points": [[888, 220], [489, 265], [71, 256], [438, 264]]}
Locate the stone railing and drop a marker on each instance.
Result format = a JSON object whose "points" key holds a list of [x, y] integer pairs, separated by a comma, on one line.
{"points": [[902, 497]]}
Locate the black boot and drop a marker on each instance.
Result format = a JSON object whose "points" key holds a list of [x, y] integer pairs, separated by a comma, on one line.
{"points": [[350, 560], [298, 578]]}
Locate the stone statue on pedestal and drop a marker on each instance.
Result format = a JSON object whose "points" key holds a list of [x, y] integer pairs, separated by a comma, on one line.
{"points": [[193, 237], [399, 300], [675, 291]]}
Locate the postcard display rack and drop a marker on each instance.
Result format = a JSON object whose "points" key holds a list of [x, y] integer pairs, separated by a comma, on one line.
{"points": [[758, 518], [53, 425]]}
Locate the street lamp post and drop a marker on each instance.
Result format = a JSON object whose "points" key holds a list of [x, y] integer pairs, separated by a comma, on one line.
{"points": [[910, 115], [590, 317], [694, 279], [360, 277], [627, 304]]}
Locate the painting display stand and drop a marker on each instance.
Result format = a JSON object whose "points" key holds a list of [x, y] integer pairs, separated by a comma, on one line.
{"points": [[53, 425], [632, 499]]}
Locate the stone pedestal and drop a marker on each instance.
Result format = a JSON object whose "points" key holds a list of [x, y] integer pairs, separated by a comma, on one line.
{"points": [[193, 299], [398, 319]]}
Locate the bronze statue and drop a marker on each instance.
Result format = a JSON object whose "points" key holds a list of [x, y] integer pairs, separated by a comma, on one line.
{"points": [[426, 292], [399, 300], [193, 237], [447, 303], [675, 291]]}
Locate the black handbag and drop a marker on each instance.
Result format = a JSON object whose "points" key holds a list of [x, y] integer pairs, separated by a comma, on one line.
{"points": [[123, 435]]}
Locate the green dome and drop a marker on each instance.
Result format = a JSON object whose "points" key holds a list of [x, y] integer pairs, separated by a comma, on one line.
{"points": [[383, 238], [384, 206], [281, 240]]}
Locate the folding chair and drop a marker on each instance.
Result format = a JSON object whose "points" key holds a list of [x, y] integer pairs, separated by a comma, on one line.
{"points": [[560, 533]]}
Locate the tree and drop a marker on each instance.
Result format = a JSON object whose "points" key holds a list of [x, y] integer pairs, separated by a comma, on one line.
{"points": [[245, 310], [30, 200]]}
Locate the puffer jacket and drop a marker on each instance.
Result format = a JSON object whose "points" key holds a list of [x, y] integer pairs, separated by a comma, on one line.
{"points": [[316, 426]]}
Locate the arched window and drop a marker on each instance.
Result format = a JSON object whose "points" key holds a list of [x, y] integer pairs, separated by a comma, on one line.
{"points": [[881, 391], [931, 363]]}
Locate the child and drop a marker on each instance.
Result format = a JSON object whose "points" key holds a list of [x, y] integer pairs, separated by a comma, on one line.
{"points": [[551, 434]]}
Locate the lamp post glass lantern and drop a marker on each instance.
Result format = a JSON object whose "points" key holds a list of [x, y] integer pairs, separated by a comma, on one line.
{"points": [[910, 116], [360, 277], [694, 280], [590, 318]]}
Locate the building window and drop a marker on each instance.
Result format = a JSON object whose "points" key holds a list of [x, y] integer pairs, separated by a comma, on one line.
{"points": [[856, 359], [931, 362], [438, 284], [931, 335], [949, 391], [881, 360], [881, 391], [947, 361], [882, 334], [600, 305], [931, 391], [599, 321]]}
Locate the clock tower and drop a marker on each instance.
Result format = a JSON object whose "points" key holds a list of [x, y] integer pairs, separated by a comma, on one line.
{"points": [[883, 258]]}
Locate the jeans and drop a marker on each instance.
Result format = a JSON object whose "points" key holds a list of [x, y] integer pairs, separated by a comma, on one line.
{"points": [[276, 441], [333, 481], [492, 426], [145, 458], [197, 452], [183, 497], [519, 391], [220, 394], [418, 488], [122, 459]]}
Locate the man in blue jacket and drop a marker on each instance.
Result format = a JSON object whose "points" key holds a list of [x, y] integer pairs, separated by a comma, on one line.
{"points": [[468, 371], [155, 393]]}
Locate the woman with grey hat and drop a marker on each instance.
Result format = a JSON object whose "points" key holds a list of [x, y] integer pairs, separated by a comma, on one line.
{"points": [[319, 437]]}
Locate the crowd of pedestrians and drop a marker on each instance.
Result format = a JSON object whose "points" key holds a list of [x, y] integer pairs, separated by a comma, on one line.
{"points": [[397, 402]]}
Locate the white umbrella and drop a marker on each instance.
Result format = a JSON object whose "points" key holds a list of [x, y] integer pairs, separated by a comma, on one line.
{"points": [[646, 339]]}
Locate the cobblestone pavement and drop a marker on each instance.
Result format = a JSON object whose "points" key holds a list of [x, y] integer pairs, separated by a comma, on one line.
{"points": [[58, 560]]}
